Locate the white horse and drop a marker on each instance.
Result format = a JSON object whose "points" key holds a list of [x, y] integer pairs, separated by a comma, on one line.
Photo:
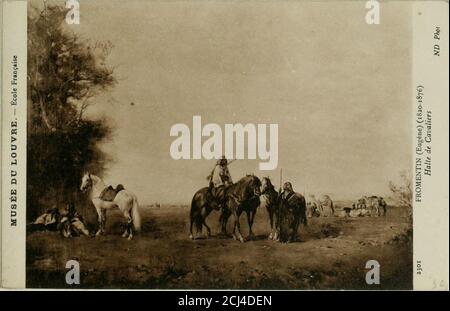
{"points": [[124, 200]]}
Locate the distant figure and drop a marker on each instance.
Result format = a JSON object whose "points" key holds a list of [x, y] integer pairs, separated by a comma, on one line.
{"points": [[360, 204], [312, 207], [362, 212], [47, 221], [364, 207], [72, 223], [374, 204], [220, 180], [327, 206], [345, 212]]}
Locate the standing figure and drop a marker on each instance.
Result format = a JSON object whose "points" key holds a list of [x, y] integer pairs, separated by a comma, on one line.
{"points": [[292, 213]]}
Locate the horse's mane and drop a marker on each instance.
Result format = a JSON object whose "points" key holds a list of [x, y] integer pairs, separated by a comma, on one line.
{"points": [[93, 176], [243, 181], [269, 183], [247, 178]]}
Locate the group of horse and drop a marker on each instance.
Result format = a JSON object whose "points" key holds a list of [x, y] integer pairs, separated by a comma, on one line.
{"points": [[365, 206], [369, 206], [247, 195], [286, 213]]}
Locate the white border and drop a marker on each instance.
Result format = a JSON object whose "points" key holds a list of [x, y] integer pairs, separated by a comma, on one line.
{"points": [[14, 39], [430, 217]]}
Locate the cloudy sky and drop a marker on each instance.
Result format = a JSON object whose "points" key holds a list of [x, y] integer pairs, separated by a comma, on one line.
{"points": [[338, 88]]}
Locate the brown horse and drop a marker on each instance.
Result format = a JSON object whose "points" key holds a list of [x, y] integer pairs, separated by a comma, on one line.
{"points": [[269, 200], [202, 205], [242, 196], [239, 197]]}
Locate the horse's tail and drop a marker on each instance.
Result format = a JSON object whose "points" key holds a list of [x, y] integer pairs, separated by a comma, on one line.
{"points": [[196, 217], [135, 215], [303, 211]]}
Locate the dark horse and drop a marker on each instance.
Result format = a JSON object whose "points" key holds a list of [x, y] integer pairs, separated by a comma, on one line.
{"points": [[291, 213], [269, 200], [241, 196], [202, 205]]}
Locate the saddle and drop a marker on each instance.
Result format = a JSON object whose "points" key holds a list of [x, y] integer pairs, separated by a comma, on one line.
{"points": [[109, 193]]}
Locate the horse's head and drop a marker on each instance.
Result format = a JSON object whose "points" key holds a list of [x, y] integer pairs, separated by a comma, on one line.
{"points": [[266, 184], [86, 182], [254, 185]]}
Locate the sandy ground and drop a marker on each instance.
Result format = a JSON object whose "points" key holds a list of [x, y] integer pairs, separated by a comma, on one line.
{"points": [[331, 254]]}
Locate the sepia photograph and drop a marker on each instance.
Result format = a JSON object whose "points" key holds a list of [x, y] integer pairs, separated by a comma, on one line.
{"points": [[219, 145]]}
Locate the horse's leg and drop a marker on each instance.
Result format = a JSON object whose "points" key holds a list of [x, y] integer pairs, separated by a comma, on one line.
{"points": [[236, 220], [276, 235], [234, 226], [205, 213], [128, 229], [253, 214], [237, 227], [191, 235], [208, 229], [100, 219], [271, 223], [222, 220], [225, 216], [251, 218], [193, 218], [103, 224]]}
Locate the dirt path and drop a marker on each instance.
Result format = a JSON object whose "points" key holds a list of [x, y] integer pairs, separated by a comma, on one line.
{"points": [[331, 254]]}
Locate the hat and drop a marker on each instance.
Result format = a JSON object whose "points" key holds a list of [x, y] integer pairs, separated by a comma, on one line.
{"points": [[222, 161]]}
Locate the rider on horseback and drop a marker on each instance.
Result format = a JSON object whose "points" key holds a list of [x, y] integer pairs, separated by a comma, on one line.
{"points": [[220, 180]]}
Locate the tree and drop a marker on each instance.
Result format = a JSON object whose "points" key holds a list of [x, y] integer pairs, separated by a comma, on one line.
{"points": [[403, 192], [64, 75]]}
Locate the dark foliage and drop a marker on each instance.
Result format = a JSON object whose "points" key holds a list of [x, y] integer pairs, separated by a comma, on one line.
{"points": [[64, 74]]}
